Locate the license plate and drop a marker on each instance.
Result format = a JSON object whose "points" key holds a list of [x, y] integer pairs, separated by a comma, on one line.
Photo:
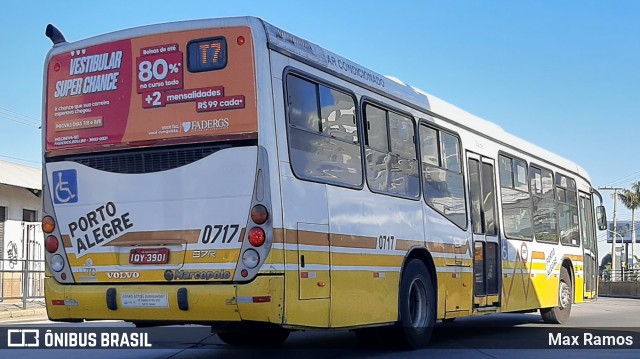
{"points": [[149, 256]]}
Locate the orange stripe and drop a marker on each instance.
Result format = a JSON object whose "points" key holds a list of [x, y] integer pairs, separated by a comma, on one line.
{"points": [[447, 248], [313, 238], [150, 237], [348, 241], [574, 257], [537, 255]]}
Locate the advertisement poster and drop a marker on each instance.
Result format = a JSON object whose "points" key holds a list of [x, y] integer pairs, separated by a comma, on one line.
{"points": [[181, 86]]}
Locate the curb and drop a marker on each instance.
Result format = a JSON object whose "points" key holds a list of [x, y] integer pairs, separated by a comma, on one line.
{"points": [[625, 296], [22, 313]]}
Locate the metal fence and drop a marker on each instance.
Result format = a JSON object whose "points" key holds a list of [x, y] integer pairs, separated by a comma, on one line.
{"points": [[22, 264], [621, 275], [22, 279]]}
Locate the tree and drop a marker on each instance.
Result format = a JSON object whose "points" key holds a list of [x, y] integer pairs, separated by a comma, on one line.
{"points": [[630, 198], [606, 261]]}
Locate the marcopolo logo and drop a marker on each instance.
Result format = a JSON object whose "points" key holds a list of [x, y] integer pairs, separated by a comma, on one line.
{"points": [[178, 274]]}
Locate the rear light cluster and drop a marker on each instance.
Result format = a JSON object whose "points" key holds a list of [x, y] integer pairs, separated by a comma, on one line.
{"points": [[256, 236], [52, 243]]}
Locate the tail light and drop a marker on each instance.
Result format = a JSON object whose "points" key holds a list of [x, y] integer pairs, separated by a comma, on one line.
{"points": [[57, 264], [256, 236], [48, 224], [51, 244], [250, 258], [259, 214]]}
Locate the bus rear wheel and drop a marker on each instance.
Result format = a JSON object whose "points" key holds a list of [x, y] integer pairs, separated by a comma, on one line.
{"points": [[560, 313], [416, 306]]}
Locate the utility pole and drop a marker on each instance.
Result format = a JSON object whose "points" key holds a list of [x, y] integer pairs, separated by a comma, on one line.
{"points": [[615, 228]]}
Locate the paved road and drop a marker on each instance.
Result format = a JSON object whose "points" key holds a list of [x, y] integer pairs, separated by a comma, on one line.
{"points": [[467, 338]]}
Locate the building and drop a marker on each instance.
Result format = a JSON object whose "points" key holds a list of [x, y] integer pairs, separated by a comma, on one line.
{"points": [[21, 236]]}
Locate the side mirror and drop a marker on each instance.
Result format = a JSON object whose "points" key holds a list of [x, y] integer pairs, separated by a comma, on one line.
{"points": [[601, 218]]}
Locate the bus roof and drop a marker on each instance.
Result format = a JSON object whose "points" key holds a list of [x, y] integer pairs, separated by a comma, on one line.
{"points": [[497, 133], [311, 52], [416, 97]]}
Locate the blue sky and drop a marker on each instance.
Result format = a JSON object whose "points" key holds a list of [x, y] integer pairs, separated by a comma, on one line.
{"points": [[564, 75]]}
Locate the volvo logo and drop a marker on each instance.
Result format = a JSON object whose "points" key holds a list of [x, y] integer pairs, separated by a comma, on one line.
{"points": [[123, 275]]}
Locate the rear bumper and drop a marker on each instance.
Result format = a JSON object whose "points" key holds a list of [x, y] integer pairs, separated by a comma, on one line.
{"points": [[261, 300]]}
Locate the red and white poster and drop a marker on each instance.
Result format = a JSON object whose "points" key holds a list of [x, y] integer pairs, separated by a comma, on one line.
{"points": [[141, 90]]}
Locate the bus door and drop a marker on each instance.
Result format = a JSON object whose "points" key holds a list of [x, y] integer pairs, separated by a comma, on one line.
{"points": [[484, 223], [589, 246]]}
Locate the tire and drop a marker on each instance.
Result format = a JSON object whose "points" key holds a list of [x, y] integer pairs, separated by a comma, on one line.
{"points": [[416, 307], [560, 313], [258, 337]]}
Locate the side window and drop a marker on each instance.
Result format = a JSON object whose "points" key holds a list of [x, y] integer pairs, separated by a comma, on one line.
{"points": [[323, 136], [489, 200], [303, 104], [588, 231], [376, 121], [338, 114], [392, 165], [429, 146], [545, 224], [442, 174], [475, 191], [481, 190], [450, 152], [568, 210], [516, 200]]}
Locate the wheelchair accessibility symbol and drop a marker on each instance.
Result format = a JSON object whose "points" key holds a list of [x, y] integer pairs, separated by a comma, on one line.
{"points": [[65, 186]]}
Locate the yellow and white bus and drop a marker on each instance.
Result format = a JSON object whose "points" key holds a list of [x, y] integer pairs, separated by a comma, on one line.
{"points": [[226, 172]]}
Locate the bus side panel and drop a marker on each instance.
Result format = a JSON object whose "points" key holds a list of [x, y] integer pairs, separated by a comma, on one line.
{"points": [[303, 203], [579, 281], [531, 276], [306, 258], [519, 271], [370, 236], [267, 311]]}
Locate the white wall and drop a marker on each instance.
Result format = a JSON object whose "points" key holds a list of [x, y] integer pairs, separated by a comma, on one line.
{"points": [[15, 199]]}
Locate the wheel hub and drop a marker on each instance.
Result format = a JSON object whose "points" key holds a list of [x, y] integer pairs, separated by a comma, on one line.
{"points": [[565, 295], [418, 304]]}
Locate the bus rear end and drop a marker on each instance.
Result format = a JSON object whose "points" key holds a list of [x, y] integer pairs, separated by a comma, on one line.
{"points": [[157, 205]]}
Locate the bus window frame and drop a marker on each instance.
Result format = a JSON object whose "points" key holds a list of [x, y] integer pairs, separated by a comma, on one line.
{"points": [[555, 201], [593, 241], [576, 205], [463, 165], [513, 157], [289, 70], [364, 100]]}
